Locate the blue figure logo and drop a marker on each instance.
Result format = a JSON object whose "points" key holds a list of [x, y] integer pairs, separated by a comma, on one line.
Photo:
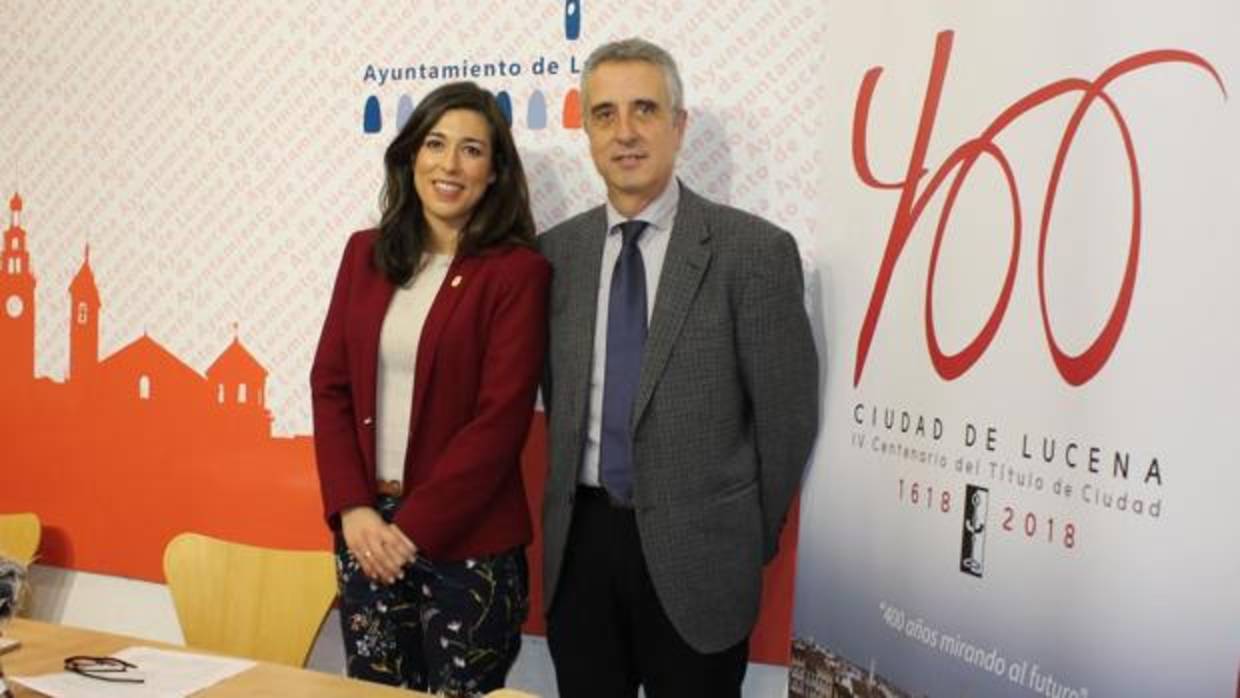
{"points": [[404, 110], [572, 19], [505, 105], [536, 113], [372, 119]]}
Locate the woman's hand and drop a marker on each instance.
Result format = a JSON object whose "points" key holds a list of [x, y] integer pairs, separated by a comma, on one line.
{"points": [[380, 548]]}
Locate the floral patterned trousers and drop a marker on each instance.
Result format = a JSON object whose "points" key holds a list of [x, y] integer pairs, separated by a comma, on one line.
{"points": [[451, 628]]}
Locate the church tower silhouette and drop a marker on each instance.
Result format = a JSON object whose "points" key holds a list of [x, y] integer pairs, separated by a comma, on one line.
{"points": [[83, 322], [17, 304], [238, 383]]}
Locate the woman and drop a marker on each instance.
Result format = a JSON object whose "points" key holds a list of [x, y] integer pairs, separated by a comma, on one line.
{"points": [[423, 388]]}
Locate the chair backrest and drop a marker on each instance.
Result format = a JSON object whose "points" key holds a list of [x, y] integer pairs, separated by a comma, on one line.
{"points": [[19, 536], [247, 601]]}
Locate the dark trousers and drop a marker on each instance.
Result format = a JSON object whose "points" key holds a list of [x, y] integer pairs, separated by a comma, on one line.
{"points": [[607, 631], [451, 628]]}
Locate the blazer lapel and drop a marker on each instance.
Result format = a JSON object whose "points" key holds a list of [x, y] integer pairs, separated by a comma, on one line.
{"points": [[688, 256], [584, 265], [455, 282], [370, 314]]}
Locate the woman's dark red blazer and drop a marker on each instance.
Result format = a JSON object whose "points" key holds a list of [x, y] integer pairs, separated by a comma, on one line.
{"points": [[479, 360]]}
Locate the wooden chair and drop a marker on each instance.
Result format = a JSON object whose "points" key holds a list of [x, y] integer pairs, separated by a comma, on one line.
{"points": [[246, 601], [19, 536]]}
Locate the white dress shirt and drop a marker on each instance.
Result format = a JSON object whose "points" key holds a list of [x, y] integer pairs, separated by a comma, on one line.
{"points": [[659, 215]]}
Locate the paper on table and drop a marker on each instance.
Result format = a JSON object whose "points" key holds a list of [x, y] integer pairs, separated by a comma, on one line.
{"points": [[168, 674]]}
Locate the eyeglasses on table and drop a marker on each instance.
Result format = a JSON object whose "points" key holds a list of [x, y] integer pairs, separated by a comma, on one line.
{"points": [[103, 668]]}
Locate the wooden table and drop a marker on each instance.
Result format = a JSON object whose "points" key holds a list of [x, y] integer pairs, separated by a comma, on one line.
{"points": [[44, 647]]}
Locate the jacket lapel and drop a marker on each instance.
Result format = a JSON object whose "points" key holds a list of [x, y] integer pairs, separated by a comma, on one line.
{"points": [[688, 256], [449, 296], [584, 266], [370, 314]]}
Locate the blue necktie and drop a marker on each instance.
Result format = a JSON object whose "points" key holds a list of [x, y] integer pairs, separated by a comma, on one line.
{"points": [[626, 337]]}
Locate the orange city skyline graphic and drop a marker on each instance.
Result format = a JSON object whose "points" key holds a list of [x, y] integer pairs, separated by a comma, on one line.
{"points": [[137, 446]]}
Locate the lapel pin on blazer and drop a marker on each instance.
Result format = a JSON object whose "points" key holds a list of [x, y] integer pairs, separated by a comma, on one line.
{"points": [[456, 281]]}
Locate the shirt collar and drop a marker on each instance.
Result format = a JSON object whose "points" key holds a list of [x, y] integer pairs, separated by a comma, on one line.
{"points": [[658, 213]]}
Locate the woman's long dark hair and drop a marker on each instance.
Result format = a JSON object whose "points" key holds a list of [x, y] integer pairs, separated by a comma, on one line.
{"points": [[501, 218]]}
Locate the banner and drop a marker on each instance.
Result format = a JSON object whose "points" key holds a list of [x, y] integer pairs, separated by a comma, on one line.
{"points": [[181, 178], [1026, 483]]}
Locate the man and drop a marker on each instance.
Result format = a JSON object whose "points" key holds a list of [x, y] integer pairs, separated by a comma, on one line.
{"points": [[681, 393]]}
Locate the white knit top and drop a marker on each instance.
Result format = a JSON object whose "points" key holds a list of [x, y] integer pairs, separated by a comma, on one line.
{"points": [[398, 351]]}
